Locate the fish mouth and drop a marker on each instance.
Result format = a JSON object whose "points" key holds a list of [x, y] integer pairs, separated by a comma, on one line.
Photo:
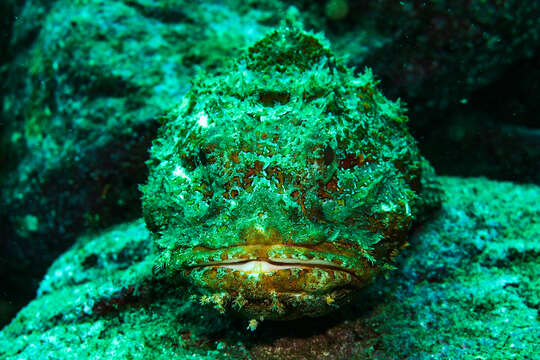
{"points": [[277, 281], [279, 267], [268, 265]]}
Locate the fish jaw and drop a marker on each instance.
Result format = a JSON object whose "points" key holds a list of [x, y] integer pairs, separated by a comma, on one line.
{"points": [[279, 282]]}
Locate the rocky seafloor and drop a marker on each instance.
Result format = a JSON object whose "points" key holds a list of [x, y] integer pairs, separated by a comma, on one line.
{"points": [[467, 287], [85, 81]]}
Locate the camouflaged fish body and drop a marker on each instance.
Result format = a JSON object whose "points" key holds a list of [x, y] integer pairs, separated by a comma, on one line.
{"points": [[284, 184]]}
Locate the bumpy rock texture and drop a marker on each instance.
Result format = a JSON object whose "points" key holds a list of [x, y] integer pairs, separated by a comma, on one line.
{"points": [[290, 162], [468, 287]]}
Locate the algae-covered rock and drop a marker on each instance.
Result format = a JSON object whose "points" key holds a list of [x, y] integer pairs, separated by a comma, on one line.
{"points": [[285, 183], [466, 288], [435, 53], [81, 94]]}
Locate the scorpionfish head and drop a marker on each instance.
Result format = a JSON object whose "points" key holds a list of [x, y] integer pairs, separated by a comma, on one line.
{"points": [[281, 185]]}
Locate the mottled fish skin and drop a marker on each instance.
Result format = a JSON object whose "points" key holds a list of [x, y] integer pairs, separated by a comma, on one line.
{"points": [[284, 184]]}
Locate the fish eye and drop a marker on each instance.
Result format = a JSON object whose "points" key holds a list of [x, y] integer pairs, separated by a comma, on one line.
{"points": [[329, 155], [192, 162], [201, 158]]}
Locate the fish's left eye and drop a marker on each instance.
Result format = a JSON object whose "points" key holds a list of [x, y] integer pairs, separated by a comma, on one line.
{"points": [[201, 158]]}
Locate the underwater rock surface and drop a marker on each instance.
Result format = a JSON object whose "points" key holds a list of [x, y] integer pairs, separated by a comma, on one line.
{"points": [[467, 287], [416, 46]]}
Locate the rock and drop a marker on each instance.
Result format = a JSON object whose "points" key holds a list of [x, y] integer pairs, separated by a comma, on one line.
{"points": [[467, 285], [434, 54], [85, 85]]}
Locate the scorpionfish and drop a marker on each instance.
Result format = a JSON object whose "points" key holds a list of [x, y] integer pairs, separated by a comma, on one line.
{"points": [[282, 184]]}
